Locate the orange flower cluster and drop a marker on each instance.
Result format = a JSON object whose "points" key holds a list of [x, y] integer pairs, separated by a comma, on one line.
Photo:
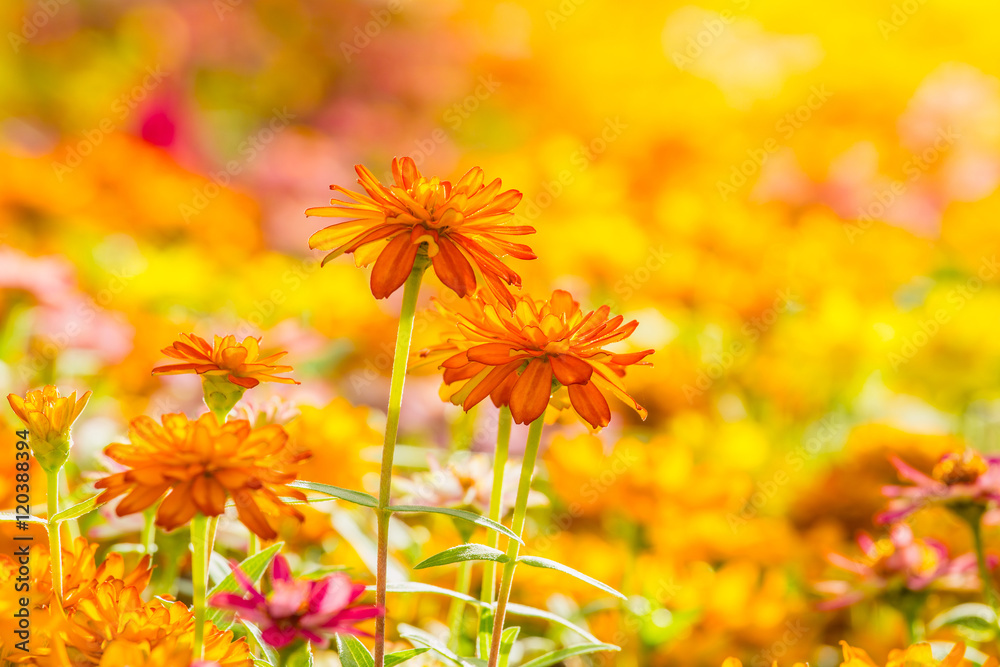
{"points": [[458, 227], [519, 358], [199, 465]]}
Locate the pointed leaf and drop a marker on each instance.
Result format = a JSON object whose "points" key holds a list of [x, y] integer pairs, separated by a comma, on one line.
{"points": [[353, 653], [535, 561], [356, 497], [269, 653], [556, 657], [512, 608], [78, 510], [463, 552], [975, 621], [507, 640], [302, 657], [254, 566], [418, 636], [399, 657], [471, 517]]}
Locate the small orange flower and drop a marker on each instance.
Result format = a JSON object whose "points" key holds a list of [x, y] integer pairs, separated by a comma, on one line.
{"points": [[457, 226], [48, 418], [199, 465], [240, 363], [519, 358]]}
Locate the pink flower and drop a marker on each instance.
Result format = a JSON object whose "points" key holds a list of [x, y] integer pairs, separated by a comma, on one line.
{"points": [[958, 480], [899, 564], [313, 610]]}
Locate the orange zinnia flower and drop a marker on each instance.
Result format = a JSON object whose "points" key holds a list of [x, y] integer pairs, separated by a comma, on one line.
{"points": [[520, 358], [240, 363], [457, 226], [49, 418], [199, 464], [112, 625]]}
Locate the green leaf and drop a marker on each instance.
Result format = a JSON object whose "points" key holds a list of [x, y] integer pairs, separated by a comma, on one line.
{"points": [[463, 552], [556, 657], [269, 653], [356, 497], [512, 608], [471, 517], [975, 621], [254, 566], [532, 612], [302, 657], [507, 640], [535, 561], [78, 510], [419, 637], [353, 653], [400, 657]]}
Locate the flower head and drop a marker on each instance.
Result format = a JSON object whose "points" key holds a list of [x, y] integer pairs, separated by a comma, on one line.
{"points": [[48, 418], [458, 227], [312, 610], [962, 482], [227, 367], [112, 625], [519, 358], [898, 565], [200, 464]]}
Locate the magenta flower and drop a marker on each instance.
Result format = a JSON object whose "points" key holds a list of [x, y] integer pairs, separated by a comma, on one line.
{"points": [[959, 481], [313, 610], [898, 565]]}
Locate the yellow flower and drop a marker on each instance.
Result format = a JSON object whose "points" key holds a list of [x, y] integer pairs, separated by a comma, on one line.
{"points": [[49, 418]]}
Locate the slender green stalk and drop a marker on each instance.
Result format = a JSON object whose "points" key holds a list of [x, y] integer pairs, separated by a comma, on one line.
{"points": [[72, 525], [455, 616], [984, 568], [253, 546], [399, 362], [149, 531], [55, 540], [517, 525], [487, 593], [200, 539]]}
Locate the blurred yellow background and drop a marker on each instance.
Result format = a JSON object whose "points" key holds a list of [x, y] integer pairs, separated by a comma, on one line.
{"points": [[797, 202]]}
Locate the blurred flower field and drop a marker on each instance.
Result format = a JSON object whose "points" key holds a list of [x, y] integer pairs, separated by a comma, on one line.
{"points": [[793, 207]]}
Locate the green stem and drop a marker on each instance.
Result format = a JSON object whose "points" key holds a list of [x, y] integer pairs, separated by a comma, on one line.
{"points": [[984, 568], [487, 593], [149, 531], [55, 541], [463, 583], [517, 525], [201, 540], [399, 362]]}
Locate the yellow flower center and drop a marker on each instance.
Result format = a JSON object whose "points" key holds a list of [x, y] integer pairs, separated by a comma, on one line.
{"points": [[960, 469]]}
